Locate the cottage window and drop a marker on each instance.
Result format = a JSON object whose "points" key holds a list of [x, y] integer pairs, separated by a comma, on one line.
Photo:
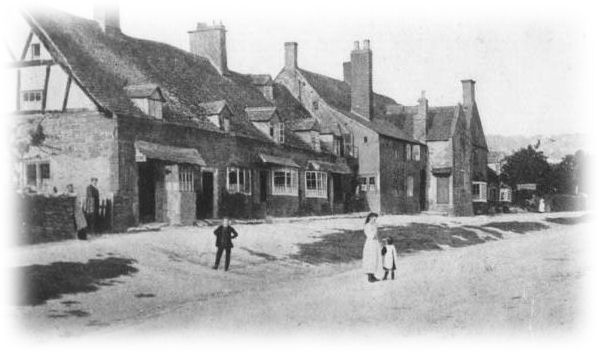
{"points": [[186, 178], [239, 180], [336, 146], [31, 100], [284, 182], [37, 174], [408, 152], [410, 186], [348, 145], [315, 141], [505, 195], [316, 184], [416, 152], [363, 181], [35, 51], [479, 191], [372, 183], [365, 140], [280, 132]]}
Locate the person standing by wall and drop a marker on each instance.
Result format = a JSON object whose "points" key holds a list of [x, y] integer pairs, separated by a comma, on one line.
{"points": [[371, 253], [80, 222], [92, 204]]}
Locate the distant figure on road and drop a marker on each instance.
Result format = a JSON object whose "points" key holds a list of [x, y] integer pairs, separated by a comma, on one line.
{"points": [[80, 222], [541, 205], [225, 233], [389, 258], [92, 204], [371, 254]]}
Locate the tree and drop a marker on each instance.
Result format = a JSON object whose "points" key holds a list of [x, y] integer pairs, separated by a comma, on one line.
{"points": [[528, 165]]}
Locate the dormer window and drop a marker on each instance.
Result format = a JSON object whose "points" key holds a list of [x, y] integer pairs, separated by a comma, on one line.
{"points": [[280, 132], [218, 113], [148, 98], [35, 51], [266, 119]]}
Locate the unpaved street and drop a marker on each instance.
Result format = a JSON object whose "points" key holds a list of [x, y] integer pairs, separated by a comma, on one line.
{"points": [[526, 281]]}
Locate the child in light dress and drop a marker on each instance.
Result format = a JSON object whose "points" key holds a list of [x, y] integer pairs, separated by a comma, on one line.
{"points": [[389, 258]]}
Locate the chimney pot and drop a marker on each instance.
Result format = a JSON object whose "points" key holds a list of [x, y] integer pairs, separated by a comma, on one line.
{"points": [[361, 82], [108, 17], [366, 44], [356, 45], [468, 92], [347, 72]]}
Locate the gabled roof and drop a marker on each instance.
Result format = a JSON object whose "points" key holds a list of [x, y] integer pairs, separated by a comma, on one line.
{"points": [[103, 65], [338, 94], [439, 122], [143, 91], [261, 114], [213, 107]]}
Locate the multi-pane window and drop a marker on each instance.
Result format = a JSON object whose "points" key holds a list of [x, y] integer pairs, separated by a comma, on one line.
{"points": [[316, 184], [315, 140], [35, 51], [416, 152], [336, 146], [505, 195], [186, 178], [372, 183], [239, 180], [37, 174], [284, 182], [281, 132], [408, 152], [367, 183], [32, 95], [363, 181], [479, 191], [410, 186]]}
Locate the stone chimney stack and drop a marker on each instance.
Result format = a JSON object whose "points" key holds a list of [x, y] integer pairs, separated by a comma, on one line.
{"points": [[361, 80], [290, 55], [347, 72], [468, 89], [419, 125], [210, 42], [108, 17]]}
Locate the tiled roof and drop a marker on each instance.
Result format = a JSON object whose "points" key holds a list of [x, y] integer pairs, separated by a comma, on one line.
{"points": [[338, 94], [212, 107], [261, 79], [142, 90], [261, 114]]}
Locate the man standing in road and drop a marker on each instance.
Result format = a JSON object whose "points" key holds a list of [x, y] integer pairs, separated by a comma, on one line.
{"points": [[224, 236]]}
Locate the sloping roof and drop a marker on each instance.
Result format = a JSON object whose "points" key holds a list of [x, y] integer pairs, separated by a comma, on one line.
{"points": [[336, 168], [304, 125], [439, 122], [293, 114], [169, 153], [143, 90], [213, 107], [338, 94], [261, 114], [261, 79], [103, 65], [278, 160]]}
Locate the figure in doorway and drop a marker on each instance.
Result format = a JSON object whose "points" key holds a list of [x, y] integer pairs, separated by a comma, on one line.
{"points": [[225, 234], [91, 207], [80, 222]]}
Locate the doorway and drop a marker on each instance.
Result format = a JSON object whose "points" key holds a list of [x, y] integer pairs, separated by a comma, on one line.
{"points": [[146, 185], [442, 190], [422, 190], [205, 198], [263, 186]]}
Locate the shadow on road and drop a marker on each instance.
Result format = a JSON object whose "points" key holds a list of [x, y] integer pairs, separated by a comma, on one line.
{"points": [[40, 283]]}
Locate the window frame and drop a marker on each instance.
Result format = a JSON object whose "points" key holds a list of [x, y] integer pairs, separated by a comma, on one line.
{"points": [[291, 187], [320, 189], [408, 152], [38, 48], [482, 194], [242, 188], [410, 186], [186, 178], [416, 152], [39, 180]]}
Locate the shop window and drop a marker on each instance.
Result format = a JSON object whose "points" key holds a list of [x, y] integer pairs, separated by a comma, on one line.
{"points": [[316, 184]]}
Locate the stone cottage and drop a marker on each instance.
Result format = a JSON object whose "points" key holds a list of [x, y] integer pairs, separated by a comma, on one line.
{"points": [[172, 135]]}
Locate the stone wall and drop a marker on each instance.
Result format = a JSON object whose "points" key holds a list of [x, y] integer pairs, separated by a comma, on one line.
{"points": [[45, 219]]}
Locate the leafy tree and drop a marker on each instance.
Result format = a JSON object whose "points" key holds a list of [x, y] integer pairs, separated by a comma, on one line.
{"points": [[528, 165]]}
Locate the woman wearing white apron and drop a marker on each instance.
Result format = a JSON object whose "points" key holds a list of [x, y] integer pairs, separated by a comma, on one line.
{"points": [[371, 254]]}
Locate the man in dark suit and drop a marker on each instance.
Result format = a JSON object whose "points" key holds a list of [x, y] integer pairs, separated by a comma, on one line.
{"points": [[91, 207], [224, 236]]}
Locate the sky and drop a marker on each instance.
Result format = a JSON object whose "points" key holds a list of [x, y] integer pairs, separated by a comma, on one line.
{"points": [[529, 65]]}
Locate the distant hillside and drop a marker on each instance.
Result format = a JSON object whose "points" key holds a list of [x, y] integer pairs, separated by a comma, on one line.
{"points": [[554, 147]]}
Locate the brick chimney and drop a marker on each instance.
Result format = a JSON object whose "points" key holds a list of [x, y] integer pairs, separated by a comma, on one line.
{"points": [[290, 55], [361, 80], [419, 124], [108, 17], [468, 89], [347, 72], [210, 42]]}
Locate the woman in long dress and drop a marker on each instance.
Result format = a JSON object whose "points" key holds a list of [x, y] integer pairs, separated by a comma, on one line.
{"points": [[371, 253]]}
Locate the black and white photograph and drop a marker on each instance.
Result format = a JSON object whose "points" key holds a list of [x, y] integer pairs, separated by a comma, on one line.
{"points": [[326, 174]]}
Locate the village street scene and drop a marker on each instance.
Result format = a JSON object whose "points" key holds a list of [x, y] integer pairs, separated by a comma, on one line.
{"points": [[160, 190]]}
